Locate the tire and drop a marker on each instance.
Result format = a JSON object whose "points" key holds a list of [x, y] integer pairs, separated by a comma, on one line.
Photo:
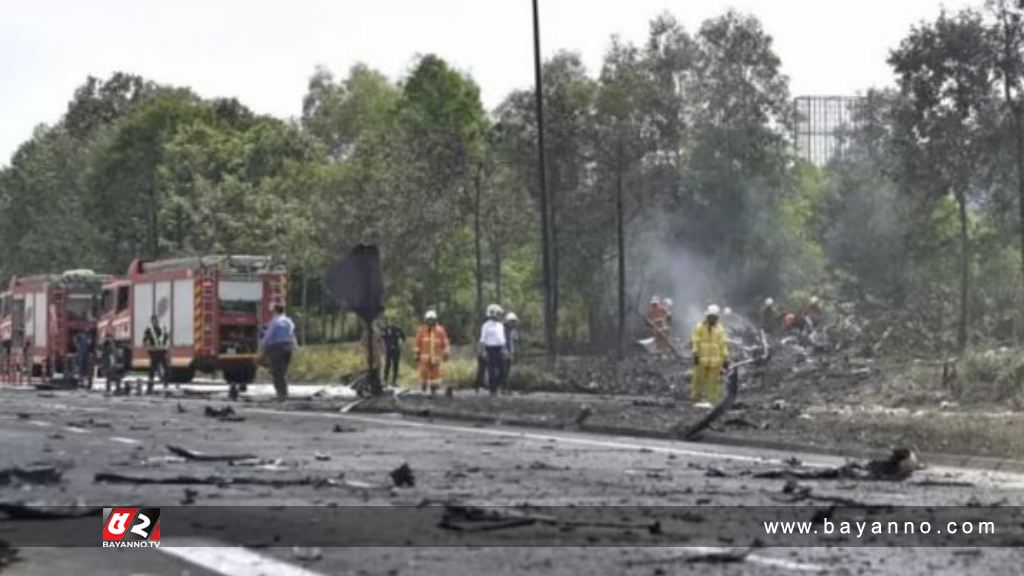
{"points": [[243, 374], [180, 375]]}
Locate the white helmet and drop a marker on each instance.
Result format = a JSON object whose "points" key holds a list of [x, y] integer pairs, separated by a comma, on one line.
{"points": [[511, 317], [713, 310], [494, 311], [814, 300], [655, 300], [430, 315], [727, 311], [769, 302], [668, 302]]}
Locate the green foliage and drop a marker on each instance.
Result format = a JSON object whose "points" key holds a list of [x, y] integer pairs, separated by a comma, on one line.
{"points": [[691, 132]]}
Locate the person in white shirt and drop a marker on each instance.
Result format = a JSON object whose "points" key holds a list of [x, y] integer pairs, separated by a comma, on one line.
{"points": [[492, 340]]}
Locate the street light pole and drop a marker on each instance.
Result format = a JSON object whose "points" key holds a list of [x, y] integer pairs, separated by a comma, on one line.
{"points": [[545, 211]]}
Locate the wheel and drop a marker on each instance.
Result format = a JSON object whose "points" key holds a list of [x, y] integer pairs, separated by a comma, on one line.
{"points": [[243, 374], [180, 375]]}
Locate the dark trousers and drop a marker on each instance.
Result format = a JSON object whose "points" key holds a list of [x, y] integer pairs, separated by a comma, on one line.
{"points": [[157, 365], [280, 357], [495, 368], [391, 362]]}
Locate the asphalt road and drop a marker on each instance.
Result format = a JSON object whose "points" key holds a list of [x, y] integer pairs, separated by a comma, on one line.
{"points": [[343, 462]]}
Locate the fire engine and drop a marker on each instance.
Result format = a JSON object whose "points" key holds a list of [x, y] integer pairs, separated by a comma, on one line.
{"points": [[40, 316], [214, 308]]}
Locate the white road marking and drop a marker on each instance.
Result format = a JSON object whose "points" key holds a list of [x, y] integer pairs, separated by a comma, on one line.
{"points": [[541, 437], [124, 440], [233, 561], [755, 558], [76, 430]]}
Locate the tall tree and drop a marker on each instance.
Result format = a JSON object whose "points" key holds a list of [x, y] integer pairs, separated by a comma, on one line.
{"points": [[340, 113], [945, 71], [1009, 39], [622, 131]]}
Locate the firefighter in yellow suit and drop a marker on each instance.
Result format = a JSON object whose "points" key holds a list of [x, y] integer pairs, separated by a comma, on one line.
{"points": [[431, 352], [710, 357]]}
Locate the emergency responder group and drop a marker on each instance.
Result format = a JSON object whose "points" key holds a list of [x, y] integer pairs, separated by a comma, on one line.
{"points": [[496, 349], [709, 344]]}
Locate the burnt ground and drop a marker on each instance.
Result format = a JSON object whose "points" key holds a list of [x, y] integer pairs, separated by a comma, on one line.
{"points": [[82, 449], [833, 402]]}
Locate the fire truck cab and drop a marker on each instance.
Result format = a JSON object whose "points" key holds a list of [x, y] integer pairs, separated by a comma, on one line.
{"points": [[214, 308], [40, 316]]}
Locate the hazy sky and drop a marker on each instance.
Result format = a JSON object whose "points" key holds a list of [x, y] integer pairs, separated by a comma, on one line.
{"points": [[263, 52]]}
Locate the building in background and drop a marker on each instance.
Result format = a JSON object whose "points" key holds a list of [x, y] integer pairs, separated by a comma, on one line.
{"points": [[820, 124]]}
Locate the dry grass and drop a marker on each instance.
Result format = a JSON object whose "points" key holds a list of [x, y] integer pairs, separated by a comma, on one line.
{"points": [[335, 364]]}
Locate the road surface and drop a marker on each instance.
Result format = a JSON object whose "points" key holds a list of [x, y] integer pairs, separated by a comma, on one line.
{"points": [[343, 460]]}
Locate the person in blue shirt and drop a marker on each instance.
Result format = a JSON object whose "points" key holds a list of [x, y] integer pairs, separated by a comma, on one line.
{"points": [[277, 346]]}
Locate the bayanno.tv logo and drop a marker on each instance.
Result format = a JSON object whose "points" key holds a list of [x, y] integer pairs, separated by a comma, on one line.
{"points": [[131, 527]]}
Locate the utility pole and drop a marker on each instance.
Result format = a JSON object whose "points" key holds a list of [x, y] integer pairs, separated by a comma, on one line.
{"points": [[545, 214]]}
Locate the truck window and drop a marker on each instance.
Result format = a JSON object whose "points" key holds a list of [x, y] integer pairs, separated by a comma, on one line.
{"points": [[122, 298], [80, 307], [107, 303]]}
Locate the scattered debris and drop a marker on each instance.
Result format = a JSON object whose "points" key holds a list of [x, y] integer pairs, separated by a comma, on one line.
{"points": [[339, 429], [46, 510], [713, 472], [225, 414], [654, 403], [792, 461], [90, 422], [24, 416], [214, 480], [403, 476], [724, 557], [272, 464], [181, 409], [321, 456], [190, 496], [40, 474], [203, 457], [898, 466], [945, 483], [731, 389], [540, 465]]}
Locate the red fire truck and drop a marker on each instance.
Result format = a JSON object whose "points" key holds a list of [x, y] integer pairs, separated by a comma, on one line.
{"points": [[40, 316], [214, 308]]}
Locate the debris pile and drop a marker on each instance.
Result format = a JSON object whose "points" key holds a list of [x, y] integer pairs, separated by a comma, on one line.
{"points": [[225, 414], [403, 476], [31, 475]]}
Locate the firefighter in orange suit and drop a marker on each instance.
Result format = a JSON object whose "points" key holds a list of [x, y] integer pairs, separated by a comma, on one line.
{"points": [[658, 319], [431, 352]]}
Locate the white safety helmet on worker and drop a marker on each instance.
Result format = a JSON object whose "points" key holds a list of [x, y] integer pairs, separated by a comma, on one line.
{"points": [[511, 317], [430, 315], [769, 302], [494, 311], [713, 310]]}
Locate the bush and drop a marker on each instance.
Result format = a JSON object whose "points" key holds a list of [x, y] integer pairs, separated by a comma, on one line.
{"points": [[993, 375]]}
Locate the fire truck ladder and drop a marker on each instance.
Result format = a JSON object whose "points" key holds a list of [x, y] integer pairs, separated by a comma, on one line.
{"points": [[208, 305], [59, 349]]}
